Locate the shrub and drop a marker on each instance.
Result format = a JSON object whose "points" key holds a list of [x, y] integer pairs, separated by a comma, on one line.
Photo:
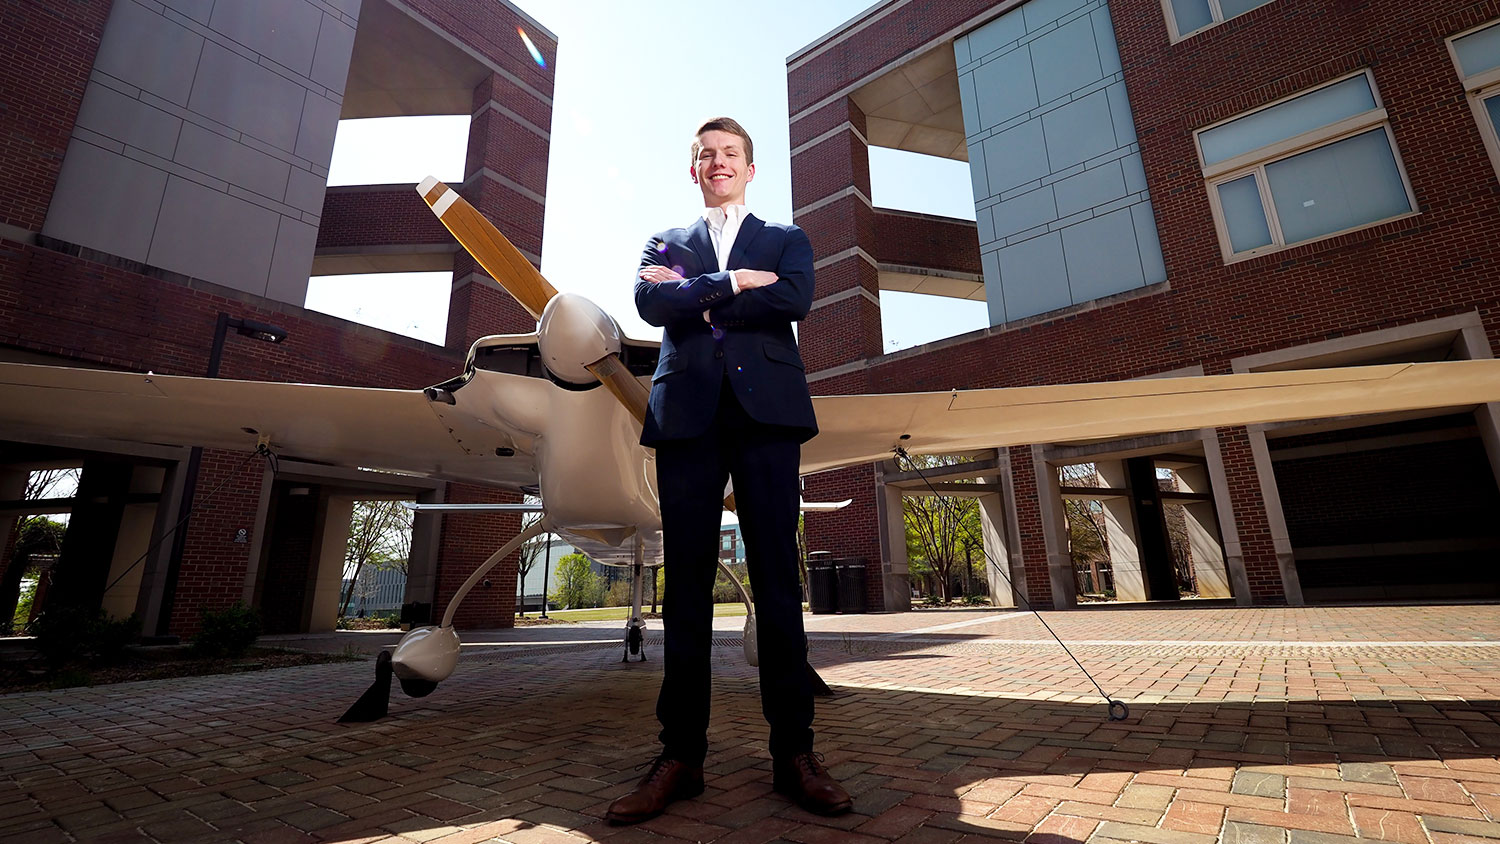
{"points": [[227, 632], [619, 593], [69, 633]]}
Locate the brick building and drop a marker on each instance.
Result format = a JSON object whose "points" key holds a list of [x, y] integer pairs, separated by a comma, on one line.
{"points": [[165, 173], [1173, 187]]}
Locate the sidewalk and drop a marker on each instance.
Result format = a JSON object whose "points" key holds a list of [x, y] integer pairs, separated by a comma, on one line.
{"points": [[1252, 726]]}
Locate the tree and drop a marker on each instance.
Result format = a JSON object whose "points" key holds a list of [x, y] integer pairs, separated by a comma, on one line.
{"points": [[36, 535], [532, 552], [1088, 543], [937, 525], [379, 536], [577, 585]]}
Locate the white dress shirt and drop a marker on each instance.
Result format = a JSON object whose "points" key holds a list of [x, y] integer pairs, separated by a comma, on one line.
{"points": [[723, 227]]}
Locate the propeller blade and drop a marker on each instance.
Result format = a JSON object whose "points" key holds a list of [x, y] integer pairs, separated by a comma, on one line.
{"points": [[611, 372], [504, 263]]}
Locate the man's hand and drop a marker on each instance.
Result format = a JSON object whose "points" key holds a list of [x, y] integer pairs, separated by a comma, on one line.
{"points": [[657, 274], [751, 279]]}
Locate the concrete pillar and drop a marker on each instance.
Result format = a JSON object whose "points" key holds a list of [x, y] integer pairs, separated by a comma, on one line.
{"points": [[1062, 584], [421, 566], [137, 526], [325, 571], [1286, 576], [1152, 544], [1204, 543], [995, 520], [1119, 531], [150, 591], [895, 568]]}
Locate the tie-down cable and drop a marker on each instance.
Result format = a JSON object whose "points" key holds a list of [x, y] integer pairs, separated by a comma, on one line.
{"points": [[1118, 711]]}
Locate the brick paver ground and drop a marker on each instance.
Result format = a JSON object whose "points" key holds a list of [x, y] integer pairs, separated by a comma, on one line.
{"points": [[1250, 726]]}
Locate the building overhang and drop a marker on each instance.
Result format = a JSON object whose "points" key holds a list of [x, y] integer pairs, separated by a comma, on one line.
{"points": [[915, 106], [931, 282], [402, 66]]}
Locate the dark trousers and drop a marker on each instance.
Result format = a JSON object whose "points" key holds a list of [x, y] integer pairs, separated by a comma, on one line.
{"points": [[763, 461]]}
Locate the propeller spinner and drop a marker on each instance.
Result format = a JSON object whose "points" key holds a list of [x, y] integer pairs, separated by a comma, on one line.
{"points": [[587, 340]]}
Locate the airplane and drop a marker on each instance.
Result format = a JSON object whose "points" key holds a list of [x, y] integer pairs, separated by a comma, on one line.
{"points": [[527, 414]]}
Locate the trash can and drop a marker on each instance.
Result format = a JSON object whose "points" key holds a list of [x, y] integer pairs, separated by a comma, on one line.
{"points": [[822, 583], [851, 585]]}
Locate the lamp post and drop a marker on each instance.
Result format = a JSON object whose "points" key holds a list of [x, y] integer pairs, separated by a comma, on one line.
{"points": [[246, 328]]}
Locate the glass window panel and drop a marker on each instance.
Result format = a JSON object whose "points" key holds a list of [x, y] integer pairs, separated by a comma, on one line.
{"points": [[1192, 15], [1336, 187], [1244, 215], [1234, 8], [1289, 119], [1492, 105], [1478, 51]]}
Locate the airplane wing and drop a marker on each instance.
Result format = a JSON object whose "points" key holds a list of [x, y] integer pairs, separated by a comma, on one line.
{"points": [[452, 435], [867, 428]]}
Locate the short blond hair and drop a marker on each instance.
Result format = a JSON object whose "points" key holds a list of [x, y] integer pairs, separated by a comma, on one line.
{"points": [[724, 124]]}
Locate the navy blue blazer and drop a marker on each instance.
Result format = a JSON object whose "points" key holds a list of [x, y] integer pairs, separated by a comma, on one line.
{"points": [[750, 339]]}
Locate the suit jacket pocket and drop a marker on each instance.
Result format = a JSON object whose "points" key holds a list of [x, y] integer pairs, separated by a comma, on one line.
{"points": [[784, 354], [669, 365]]}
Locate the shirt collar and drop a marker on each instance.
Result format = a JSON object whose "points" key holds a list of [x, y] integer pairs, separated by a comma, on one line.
{"points": [[716, 217]]}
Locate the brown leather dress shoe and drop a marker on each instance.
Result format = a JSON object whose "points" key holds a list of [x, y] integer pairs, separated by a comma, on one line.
{"points": [[804, 779], [668, 780]]}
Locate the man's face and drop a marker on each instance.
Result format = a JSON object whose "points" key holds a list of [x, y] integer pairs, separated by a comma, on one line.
{"points": [[721, 170]]}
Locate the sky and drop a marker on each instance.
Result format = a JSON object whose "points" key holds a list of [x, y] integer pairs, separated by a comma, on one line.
{"points": [[633, 80]]}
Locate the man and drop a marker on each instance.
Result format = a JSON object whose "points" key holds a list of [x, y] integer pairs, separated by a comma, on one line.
{"points": [[729, 400]]}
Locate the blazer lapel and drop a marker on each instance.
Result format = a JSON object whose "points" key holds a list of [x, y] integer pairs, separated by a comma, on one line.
{"points": [[749, 228], [703, 246]]}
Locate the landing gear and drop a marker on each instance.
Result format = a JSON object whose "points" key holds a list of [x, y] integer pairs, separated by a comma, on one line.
{"points": [[635, 628]]}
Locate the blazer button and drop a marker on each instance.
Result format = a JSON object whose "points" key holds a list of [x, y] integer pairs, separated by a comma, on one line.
{"points": [[718, 353]]}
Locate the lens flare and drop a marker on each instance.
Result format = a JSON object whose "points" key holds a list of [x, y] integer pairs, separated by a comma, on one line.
{"points": [[536, 54]]}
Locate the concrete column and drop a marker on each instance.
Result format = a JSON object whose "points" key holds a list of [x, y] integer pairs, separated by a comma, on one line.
{"points": [[151, 589], [325, 572], [137, 525], [995, 520], [1119, 531], [1204, 544], [1234, 557], [895, 568], [1152, 545], [421, 566], [1063, 584], [1270, 495]]}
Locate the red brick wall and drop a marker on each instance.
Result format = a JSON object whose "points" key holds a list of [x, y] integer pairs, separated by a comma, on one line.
{"points": [[851, 532], [49, 49], [360, 215], [467, 541], [1441, 262], [920, 240]]}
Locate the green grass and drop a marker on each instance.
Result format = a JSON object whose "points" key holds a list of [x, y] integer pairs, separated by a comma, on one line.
{"points": [[622, 613]]}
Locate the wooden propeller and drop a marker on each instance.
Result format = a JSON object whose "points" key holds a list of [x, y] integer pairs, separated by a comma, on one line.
{"points": [[507, 266]]}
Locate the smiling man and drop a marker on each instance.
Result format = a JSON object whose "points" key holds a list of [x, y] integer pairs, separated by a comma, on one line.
{"points": [[729, 400]]}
